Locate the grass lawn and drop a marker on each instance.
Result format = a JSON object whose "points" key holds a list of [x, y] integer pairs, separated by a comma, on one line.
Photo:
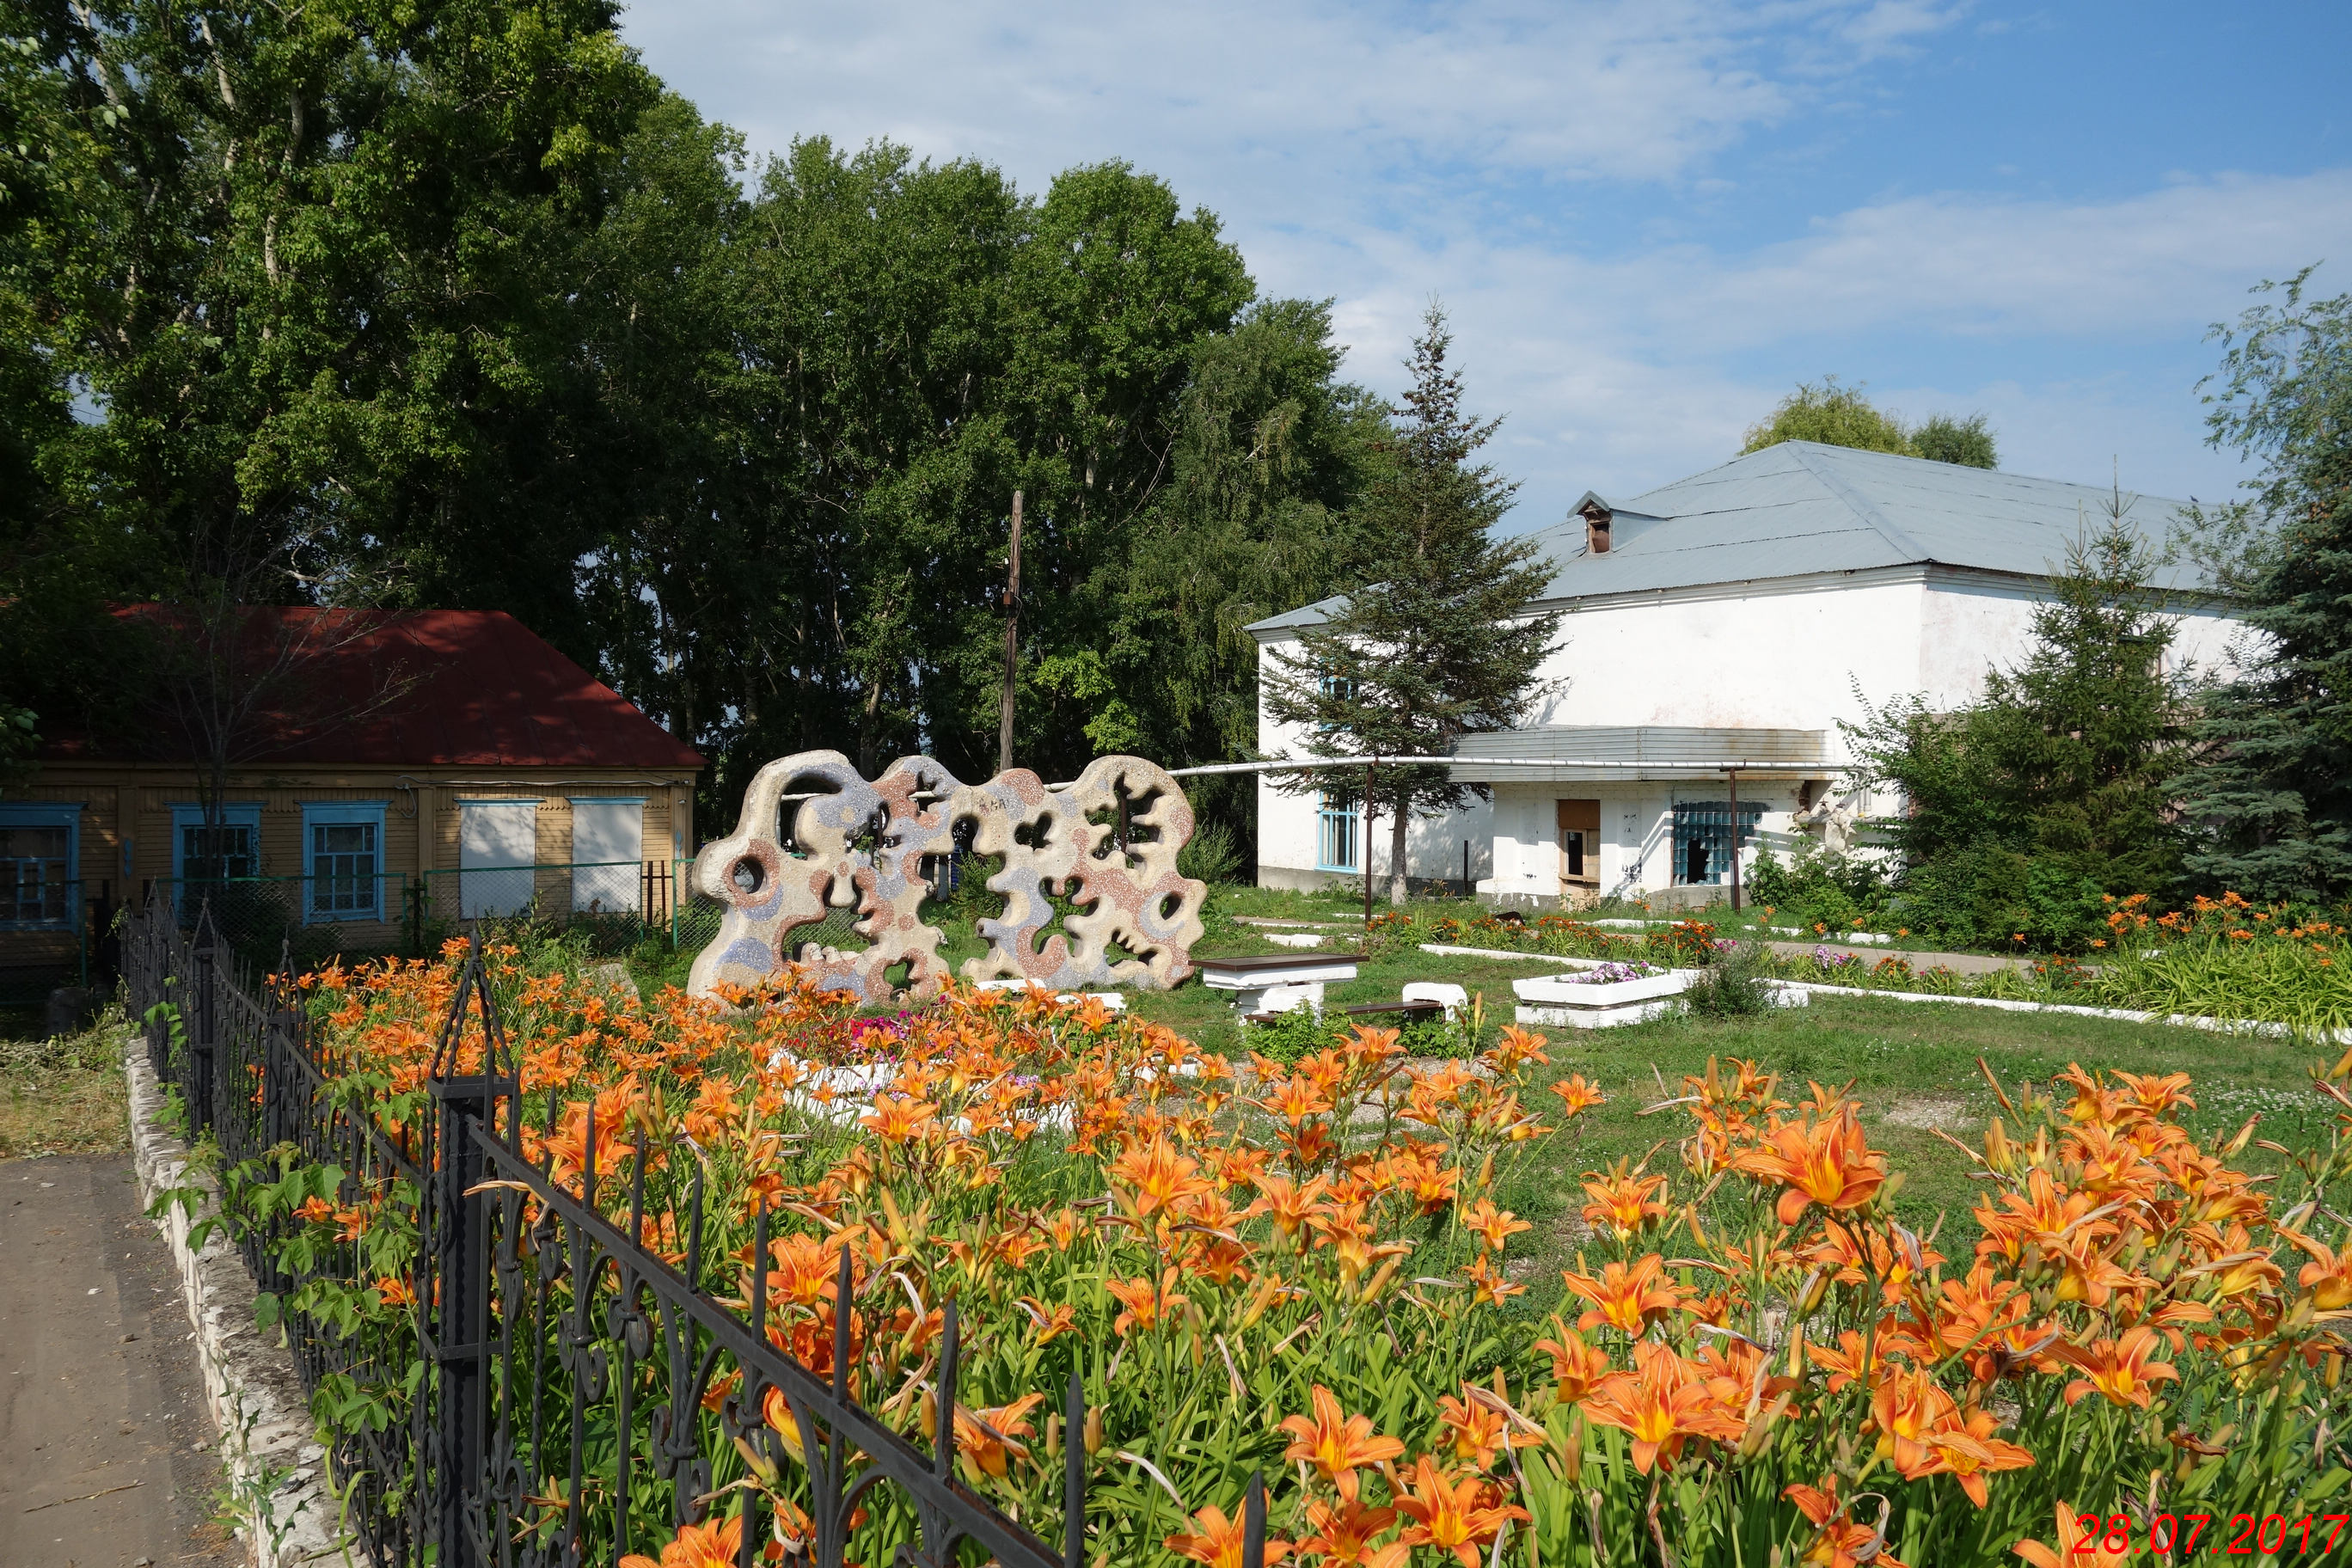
{"points": [[66, 1096]]}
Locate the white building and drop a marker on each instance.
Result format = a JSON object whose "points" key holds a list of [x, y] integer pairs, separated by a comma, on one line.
{"points": [[1716, 632]]}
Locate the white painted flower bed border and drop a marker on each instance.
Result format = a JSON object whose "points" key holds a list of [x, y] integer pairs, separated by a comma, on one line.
{"points": [[2005, 1004]]}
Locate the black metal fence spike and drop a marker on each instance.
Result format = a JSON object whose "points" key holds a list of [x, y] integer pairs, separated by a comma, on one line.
{"points": [[1254, 1521], [1074, 1472], [588, 1157], [841, 1311], [760, 1273], [943, 1438]]}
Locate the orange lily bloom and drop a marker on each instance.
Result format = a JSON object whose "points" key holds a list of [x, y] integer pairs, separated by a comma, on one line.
{"points": [[2077, 1548], [1840, 1541], [1576, 1366], [1145, 1303], [1460, 1517], [1493, 1227], [2328, 1276], [1828, 1163], [699, 1546], [1576, 1094], [1628, 1297], [987, 1438], [2119, 1369], [1659, 1404], [1218, 1541], [1336, 1445], [1158, 1176], [1624, 1202], [1343, 1536]]}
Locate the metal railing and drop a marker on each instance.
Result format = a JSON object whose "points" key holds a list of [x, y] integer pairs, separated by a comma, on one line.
{"points": [[309, 919], [534, 1321]]}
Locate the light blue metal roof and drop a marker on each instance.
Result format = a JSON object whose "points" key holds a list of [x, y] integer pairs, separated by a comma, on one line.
{"points": [[1800, 509]]}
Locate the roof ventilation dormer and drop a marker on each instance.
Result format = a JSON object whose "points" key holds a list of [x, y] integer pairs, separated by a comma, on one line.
{"points": [[1597, 521]]}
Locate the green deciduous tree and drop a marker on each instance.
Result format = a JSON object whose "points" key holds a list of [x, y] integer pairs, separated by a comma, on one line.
{"points": [[1942, 439], [2271, 801], [1838, 416], [1437, 642]]}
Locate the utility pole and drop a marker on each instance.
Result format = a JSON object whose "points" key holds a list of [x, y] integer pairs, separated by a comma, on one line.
{"points": [[1012, 643], [1734, 773]]}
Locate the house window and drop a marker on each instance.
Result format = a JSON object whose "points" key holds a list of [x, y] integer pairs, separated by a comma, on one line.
{"points": [[1339, 830], [342, 862], [1703, 839], [204, 853], [37, 864]]}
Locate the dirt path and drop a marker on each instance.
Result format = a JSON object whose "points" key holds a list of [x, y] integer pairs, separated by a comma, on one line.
{"points": [[105, 1454]]}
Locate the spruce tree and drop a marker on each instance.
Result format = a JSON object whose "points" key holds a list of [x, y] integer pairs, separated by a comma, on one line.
{"points": [[1436, 644], [2271, 803]]}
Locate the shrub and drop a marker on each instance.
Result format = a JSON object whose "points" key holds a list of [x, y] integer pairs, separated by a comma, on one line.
{"points": [[1814, 888], [1212, 854], [1736, 985]]}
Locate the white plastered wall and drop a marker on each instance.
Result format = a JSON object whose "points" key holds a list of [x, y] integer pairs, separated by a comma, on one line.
{"points": [[1792, 654]]}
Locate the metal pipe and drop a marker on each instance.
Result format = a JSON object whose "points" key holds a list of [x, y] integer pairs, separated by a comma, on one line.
{"points": [[1310, 764]]}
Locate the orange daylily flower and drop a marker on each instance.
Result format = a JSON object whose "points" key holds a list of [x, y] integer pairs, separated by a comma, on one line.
{"points": [[1662, 1401], [1491, 1226], [1145, 1303], [1577, 1367], [1460, 1517], [987, 1438], [697, 1546], [1217, 1541], [1622, 1202], [1336, 1445], [1343, 1536], [2121, 1369], [1627, 1296], [1839, 1542], [2077, 1548], [1827, 1162], [1159, 1177], [2328, 1275], [1576, 1094]]}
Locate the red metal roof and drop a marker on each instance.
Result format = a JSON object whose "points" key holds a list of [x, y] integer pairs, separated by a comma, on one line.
{"points": [[435, 689]]}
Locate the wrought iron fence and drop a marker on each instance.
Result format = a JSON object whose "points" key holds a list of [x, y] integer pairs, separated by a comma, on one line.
{"points": [[535, 1323]]}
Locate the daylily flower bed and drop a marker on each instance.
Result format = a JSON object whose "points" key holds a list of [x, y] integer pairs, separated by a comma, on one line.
{"points": [[1308, 1270]]}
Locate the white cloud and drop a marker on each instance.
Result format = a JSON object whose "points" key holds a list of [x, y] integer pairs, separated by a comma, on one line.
{"points": [[1513, 158]]}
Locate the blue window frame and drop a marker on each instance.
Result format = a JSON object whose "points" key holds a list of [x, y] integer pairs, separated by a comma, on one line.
{"points": [[1338, 833], [343, 861], [201, 855], [231, 850], [40, 864], [1703, 839]]}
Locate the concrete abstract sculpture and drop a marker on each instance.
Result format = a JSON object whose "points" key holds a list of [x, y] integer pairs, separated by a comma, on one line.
{"points": [[864, 847]]}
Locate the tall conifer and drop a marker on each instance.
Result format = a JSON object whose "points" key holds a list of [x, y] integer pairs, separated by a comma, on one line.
{"points": [[1437, 644]]}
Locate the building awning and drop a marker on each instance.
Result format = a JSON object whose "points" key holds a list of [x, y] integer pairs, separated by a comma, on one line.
{"points": [[1594, 754]]}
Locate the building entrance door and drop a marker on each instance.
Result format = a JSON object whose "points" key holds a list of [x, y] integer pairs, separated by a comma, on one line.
{"points": [[1580, 851]]}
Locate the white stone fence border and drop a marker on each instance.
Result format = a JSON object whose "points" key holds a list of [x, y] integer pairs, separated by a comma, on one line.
{"points": [[275, 1469], [2007, 1004]]}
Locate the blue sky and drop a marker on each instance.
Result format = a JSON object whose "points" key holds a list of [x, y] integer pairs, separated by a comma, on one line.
{"points": [[1648, 220]]}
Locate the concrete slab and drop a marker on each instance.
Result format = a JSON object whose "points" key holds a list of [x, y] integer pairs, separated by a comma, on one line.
{"points": [[106, 1444]]}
